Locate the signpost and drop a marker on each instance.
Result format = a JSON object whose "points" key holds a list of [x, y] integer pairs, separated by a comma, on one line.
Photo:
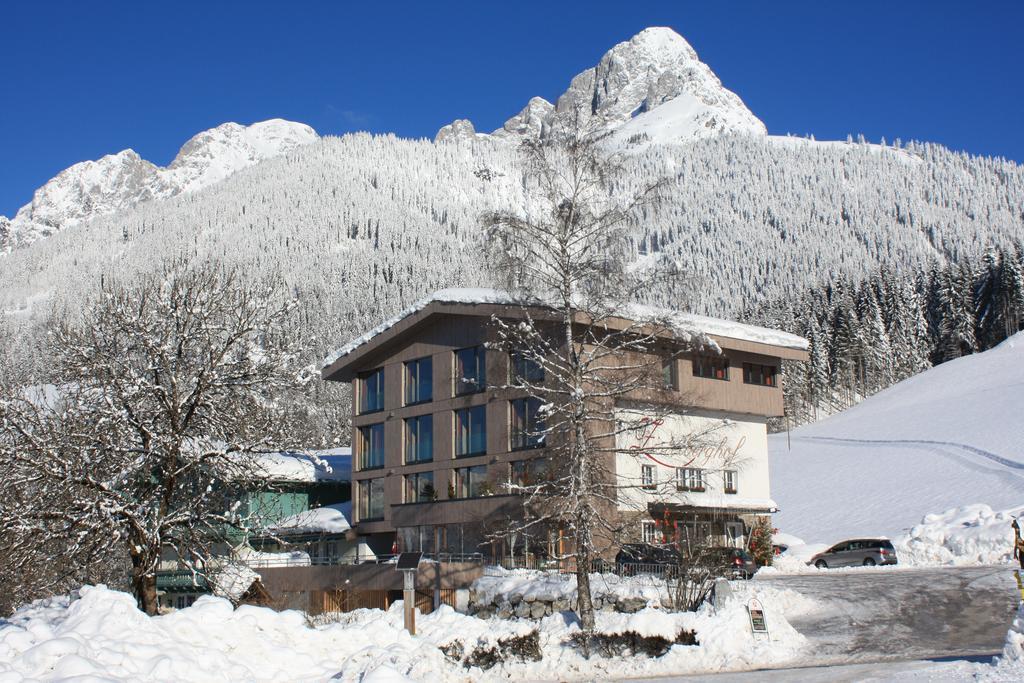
{"points": [[408, 564], [758, 625]]}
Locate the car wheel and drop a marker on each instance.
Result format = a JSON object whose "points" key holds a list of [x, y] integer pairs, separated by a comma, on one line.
{"points": [[821, 564], [869, 562]]}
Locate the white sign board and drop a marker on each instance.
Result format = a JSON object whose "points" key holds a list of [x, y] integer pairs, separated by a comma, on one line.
{"points": [[757, 620]]}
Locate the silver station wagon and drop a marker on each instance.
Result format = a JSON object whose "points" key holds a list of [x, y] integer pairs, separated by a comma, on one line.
{"points": [[866, 552]]}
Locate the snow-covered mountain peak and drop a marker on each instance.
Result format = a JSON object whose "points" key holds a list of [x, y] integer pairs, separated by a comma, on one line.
{"points": [[214, 154], [119, 181], [633, 80], [86, 189]]}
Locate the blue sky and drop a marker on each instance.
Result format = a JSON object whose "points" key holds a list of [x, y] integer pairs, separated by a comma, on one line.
{"points": [[81, 80]]}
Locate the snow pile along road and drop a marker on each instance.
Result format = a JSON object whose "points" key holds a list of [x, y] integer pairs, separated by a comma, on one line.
{"points": [[102, 636], [974, 534], [929, 463], [1010, 665]]}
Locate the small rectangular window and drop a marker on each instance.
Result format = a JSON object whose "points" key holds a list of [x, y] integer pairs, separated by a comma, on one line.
{"points": [[763, 375], [525, 369], [470, 373], [648, 477], [711, 367], [471, 482], [471, 431], [526, 426], [371, 391], [419, 439], [669, 378], [371, 499], [729, 481], [419, 381], [419, 488], [371, 446], [689, 479], [649, 532]]}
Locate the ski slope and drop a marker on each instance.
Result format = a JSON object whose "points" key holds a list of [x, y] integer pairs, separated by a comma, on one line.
{"points": [[951, 437]]}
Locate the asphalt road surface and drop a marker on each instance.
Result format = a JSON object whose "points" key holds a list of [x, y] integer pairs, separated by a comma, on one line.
{"points": [[878, 614], [885, 624]]}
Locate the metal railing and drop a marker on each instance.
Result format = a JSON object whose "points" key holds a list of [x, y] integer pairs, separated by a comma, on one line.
{"points": [[264, 560]]}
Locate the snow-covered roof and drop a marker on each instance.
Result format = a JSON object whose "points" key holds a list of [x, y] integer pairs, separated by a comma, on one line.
{"points": [[330, 519], [683, 321], [329, 465]]}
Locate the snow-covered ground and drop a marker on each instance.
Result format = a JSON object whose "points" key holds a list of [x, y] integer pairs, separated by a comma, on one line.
{"points": [[935, 462], [102, 636]]}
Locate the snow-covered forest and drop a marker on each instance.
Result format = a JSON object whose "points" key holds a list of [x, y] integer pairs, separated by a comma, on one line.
{"points": [[868, 335], [360, 226]]}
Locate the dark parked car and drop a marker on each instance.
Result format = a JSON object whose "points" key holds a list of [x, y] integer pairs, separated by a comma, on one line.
{"points": [[640, 558], [865, 552], [642, 553], [732, 563]]}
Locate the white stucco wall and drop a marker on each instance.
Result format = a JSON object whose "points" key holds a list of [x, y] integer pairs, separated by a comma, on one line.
{"points": [[710, 441]]}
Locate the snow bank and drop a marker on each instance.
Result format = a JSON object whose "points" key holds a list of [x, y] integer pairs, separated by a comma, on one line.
{"points": [[1009, 666], [973, 534], [100, 634], [539, 586]]}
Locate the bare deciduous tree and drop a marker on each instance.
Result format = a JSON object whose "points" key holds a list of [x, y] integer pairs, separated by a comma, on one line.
{"points": [[161, 393], [585, 350]]}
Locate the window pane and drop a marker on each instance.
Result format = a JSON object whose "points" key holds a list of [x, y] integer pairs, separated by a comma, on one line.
{"points": [[371, 446], [419, 488], [371, 499], [471, 431], [711, 367], [526, 369], [764, 375], [376, 498], [471, 482], [372, 394], [419, 439], [418, 381], [526, 425], [469, 370], [668, 373]]}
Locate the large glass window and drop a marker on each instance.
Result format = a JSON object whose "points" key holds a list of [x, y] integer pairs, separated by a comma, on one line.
{"points": [[371, 499], [419, 487], [525, 369], [419, 439], [711, 367], [526, 425], [471, 431], [471, 482], [371, 391], [419, 381], [371, 446], [754, 373], [470, 374], [531, 472]]}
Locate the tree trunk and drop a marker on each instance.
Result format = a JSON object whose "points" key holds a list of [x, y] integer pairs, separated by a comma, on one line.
{"points": [[144, 584], [584, 601]]}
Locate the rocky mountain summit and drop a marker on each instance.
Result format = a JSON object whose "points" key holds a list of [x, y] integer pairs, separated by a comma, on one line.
{"points": [[654, 71], [119, 181]]}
